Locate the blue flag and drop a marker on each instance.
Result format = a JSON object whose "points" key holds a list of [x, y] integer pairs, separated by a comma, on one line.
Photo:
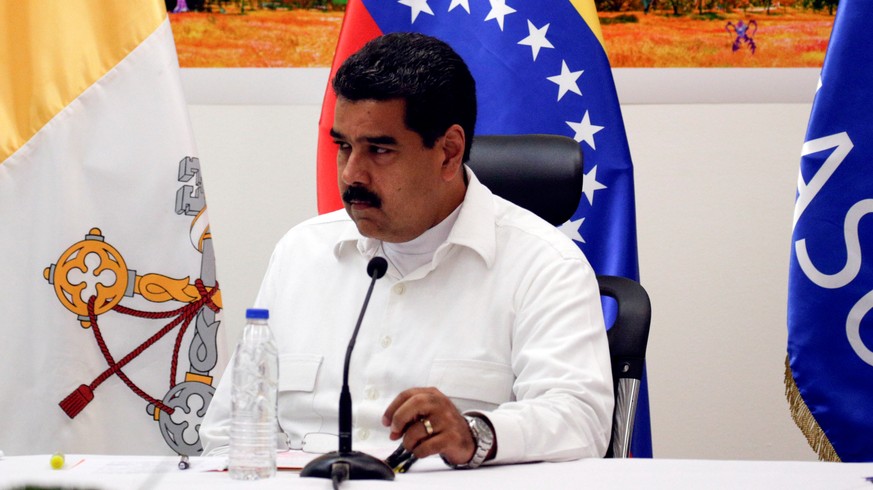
{"points": [[830, 334], [540, 67]]}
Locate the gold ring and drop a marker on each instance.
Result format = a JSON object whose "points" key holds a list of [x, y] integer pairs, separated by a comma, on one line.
{"points": [[427, 426]]}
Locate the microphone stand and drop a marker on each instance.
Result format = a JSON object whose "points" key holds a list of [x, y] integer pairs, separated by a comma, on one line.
{"points": [[346, 464]]}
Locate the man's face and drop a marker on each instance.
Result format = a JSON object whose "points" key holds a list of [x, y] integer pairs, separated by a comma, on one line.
{"points": [[390, 182]]}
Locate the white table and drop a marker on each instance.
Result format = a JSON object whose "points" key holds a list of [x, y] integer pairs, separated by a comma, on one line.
{"points": [[146, 472]]}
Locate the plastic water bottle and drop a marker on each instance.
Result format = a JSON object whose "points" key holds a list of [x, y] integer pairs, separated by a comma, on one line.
{"points": [[253, 401]]}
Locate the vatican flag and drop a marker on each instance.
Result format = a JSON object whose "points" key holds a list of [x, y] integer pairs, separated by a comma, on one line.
{"points": [[109, 305]]}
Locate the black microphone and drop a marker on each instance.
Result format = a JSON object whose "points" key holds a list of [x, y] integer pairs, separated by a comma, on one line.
{"points": [[347, 464]]}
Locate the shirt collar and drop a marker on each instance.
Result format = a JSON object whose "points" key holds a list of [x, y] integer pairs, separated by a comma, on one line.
{"points": [[473, 229], [350, 239]]}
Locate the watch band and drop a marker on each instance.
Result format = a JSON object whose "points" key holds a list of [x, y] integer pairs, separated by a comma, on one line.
{"points": [[483, 437]]}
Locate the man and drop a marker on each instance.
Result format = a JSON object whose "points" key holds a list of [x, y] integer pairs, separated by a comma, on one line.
{"points": [[484, 341]]}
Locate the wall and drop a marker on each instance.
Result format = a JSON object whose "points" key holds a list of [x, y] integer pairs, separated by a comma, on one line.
{"points": [[715, 190], [715, 194]]}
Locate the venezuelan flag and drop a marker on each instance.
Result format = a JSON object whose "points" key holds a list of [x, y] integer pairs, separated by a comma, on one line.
{"points": [[100, 198], [540, 67]]}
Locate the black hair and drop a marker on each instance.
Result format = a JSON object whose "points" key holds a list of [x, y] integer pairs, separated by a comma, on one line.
{"points": [[425, 72]]}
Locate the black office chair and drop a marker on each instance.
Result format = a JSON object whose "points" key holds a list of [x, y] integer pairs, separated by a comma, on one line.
{"points": [[543, 173], [539, 172], [628, 338]]}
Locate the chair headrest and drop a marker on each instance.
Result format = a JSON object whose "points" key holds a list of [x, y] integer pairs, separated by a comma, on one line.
{"points": [[539, 172]]}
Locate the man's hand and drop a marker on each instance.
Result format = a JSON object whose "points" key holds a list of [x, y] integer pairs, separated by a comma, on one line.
{"points": [[450, 436]]}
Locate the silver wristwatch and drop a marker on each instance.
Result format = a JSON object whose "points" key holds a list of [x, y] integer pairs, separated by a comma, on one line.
{"points": [[483, 437]]}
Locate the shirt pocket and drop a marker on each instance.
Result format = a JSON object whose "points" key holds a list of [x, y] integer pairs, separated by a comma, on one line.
{"points": [[472, 384], [298, 372]]}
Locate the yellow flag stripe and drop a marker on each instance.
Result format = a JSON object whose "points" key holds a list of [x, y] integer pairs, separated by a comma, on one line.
{"points": [[52, 50], [588, 12]]}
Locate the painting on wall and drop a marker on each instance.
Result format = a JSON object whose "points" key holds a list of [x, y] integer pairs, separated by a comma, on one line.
{"points": [[637, 33], [716, 33], [255, 34]]}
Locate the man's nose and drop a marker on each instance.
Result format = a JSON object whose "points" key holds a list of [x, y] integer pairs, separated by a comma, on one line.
{"points": [[355, 169]]}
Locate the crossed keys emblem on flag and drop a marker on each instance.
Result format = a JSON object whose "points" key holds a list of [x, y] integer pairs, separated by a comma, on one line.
{"points": [[91, 278]]}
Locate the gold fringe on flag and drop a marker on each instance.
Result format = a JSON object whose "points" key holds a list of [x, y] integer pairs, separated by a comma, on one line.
{"points": [[816, 437]]}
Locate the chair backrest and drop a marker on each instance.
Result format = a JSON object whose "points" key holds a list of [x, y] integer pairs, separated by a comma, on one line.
{"points": [[543, 174], [539, 172]]}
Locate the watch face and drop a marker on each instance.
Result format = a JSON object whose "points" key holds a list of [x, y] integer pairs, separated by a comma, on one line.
{"points": [[484, 439], [481, 430]]}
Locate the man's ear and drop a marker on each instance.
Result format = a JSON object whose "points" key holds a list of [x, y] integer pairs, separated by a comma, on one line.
{"points": [[453, 148]]}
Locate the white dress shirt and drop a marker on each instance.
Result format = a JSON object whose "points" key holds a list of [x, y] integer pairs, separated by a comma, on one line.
{"points": [[506, 321]]}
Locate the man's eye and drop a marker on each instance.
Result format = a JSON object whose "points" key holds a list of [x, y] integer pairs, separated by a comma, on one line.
{"points": [[379, 150], [342, 145]]}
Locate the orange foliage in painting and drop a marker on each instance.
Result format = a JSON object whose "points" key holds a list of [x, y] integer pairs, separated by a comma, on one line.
{"points": [[307, 38], [790, 39], [260, 38]]}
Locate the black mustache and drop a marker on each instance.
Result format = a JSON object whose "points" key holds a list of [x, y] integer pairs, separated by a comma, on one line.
{"points": [[361, 194]]}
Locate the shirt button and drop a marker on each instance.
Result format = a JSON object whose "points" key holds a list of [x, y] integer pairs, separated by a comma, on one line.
{"points": [[399, 288], [386, 341], [371, 393], [364, 434]]}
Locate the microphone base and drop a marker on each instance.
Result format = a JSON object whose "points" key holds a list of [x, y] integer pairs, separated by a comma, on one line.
{"points": [[362, 466]]}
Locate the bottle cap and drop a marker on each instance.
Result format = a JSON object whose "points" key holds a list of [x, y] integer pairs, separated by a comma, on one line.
{"points": [[257, 314]]}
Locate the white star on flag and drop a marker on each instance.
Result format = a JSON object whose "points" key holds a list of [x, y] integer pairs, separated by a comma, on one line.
{"points": [[536, 39], [585, 131], [462, 3], [571, 229], [417, 7], [566, 80], [499, 10], [590, 184]]}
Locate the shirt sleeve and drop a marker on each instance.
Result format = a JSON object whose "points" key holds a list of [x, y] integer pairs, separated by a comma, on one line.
{"points": [[215, 428], [560, 356]]}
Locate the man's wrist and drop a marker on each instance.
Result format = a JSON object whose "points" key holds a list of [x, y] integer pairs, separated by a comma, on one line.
{"points": [[483, 440]]}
